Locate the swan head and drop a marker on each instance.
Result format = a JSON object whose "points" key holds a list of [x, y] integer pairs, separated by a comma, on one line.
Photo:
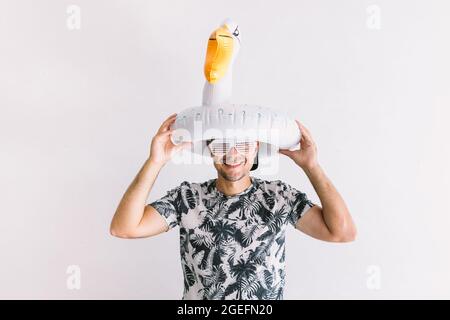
{"points": [[223, 46]]}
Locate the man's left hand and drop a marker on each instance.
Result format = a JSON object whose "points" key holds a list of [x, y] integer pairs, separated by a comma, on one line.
{"points": [[306, 156]]}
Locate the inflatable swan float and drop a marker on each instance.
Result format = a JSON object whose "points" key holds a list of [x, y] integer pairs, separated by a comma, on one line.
{"points": [[218, 118]]}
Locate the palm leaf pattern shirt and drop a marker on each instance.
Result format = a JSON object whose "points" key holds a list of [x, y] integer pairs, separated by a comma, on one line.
{"points": [[233, 247]]}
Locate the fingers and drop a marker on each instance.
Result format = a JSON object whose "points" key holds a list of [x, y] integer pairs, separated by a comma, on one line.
{"points": [[166, 133], [183, 145], [167, 123], [169, 132], [306, 135], [286, 152], [162, 136], [305, 132]]}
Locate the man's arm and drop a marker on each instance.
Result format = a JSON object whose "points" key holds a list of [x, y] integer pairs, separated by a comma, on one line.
{"points": [[331, 222], [133, 219]]}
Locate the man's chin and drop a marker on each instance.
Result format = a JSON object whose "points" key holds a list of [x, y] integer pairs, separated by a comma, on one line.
{"points": [[233, 174], [232, 177]]}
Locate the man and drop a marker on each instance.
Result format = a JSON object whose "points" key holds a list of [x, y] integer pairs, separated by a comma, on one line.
{"points": [[232, 229]]}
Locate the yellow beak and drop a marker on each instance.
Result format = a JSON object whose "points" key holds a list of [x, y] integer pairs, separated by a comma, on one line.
{"points": [[218, 54]]}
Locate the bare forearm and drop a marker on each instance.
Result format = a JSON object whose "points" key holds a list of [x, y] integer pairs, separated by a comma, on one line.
{"points": [[334, 210], [131, 207]]}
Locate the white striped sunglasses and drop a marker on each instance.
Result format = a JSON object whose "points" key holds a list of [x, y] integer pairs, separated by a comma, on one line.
{"points": [[220, 147]]}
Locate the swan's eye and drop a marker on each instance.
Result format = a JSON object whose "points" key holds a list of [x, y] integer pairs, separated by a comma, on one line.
{"points": [[236, 32]]}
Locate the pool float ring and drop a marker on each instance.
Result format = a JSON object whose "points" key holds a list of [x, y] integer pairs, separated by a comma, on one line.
{"points": [[218, 117]]}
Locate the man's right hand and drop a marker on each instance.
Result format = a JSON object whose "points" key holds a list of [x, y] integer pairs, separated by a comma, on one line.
{"points": [[162, 148]]}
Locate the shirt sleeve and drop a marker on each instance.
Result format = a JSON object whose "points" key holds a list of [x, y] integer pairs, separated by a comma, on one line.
{"points": [[169, 206], [297, 202]]}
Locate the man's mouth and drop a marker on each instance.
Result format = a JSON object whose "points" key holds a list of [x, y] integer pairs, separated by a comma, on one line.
{"points": [[233, 164]]}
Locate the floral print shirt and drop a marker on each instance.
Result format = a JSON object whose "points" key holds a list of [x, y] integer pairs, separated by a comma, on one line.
{"points": [[233, 247]]}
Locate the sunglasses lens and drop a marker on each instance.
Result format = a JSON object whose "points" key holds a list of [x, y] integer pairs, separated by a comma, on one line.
{"points": [[220, 148], [243, 147]]}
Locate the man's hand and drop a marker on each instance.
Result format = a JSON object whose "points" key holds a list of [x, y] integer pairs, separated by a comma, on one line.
{"points": [[306, 157], [162, 148]]}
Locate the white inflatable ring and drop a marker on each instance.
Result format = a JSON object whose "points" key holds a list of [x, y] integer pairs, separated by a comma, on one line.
{"points": [[271, 128], [219, 118]]}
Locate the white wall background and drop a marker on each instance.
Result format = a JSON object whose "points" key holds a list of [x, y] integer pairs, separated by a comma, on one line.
{"points": [[78, 109]]}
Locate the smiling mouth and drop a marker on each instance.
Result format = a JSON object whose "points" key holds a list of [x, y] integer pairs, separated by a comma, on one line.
{"points": [[233, 165]]}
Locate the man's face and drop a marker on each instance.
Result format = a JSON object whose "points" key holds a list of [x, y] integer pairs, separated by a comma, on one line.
{"points": [[233, 161]]}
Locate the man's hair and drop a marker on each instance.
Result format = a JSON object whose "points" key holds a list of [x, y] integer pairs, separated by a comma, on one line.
{"points": [[255, 163]]}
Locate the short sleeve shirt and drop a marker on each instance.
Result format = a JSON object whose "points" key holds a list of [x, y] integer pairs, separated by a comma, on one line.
{"points": [[233, 247]]}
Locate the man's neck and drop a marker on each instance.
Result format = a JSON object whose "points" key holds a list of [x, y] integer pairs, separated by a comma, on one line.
{"points": [[230, 188]]}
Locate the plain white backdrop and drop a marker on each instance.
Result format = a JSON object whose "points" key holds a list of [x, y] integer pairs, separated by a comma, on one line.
{"points": [[79, 106]]}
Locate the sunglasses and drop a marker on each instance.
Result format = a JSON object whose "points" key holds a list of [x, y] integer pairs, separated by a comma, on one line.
{"points": [[221, 147]]}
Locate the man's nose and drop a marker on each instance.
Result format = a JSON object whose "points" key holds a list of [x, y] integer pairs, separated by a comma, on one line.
{"points": [[232, 154], [233, 151]]}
